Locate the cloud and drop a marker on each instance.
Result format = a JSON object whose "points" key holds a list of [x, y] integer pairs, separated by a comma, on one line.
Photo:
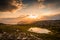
{"points": [[9, 5], [54, 17], [24, 20], [49, 10], [14, 20]]}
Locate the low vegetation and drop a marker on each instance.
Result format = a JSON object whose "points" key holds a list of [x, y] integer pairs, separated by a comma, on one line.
{"points": [[20, 30]]}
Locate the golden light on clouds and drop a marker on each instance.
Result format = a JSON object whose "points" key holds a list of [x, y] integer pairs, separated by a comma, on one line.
{"points": [[36, 11]]}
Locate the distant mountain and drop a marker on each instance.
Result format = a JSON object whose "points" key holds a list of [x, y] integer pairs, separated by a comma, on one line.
{"points": [[49, 24], [45, 22], [17, 29], [2, 24]]}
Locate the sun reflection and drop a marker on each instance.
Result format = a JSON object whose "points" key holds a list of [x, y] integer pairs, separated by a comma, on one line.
{"points": [[39, 30]]}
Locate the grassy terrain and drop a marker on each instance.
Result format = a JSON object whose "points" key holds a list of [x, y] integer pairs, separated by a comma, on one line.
{"points": [[54, 26]]}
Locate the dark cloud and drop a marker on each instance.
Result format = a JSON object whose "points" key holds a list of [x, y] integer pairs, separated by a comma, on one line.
{"points": [[9, 5], [55, 17], [52, 0], [29, 1], [46, 1]]}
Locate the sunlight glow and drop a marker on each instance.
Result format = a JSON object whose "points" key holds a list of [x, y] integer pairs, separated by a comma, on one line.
{"points": [[32, 16]]}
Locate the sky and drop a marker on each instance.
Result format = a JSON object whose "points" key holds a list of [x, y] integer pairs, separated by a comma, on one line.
{"points": [[28, 11]]}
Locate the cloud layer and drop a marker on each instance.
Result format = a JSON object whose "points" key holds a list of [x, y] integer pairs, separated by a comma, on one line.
{"points": [[45, 9], [9, 5]]}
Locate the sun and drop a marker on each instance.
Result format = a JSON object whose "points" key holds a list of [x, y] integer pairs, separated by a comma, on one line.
{"points": [[32, 16]]}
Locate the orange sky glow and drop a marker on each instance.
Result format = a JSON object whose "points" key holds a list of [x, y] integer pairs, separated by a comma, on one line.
{"points": [[32, 13]]}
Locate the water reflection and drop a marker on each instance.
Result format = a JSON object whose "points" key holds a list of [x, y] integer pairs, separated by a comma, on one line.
{"points": [[39, 30]]}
